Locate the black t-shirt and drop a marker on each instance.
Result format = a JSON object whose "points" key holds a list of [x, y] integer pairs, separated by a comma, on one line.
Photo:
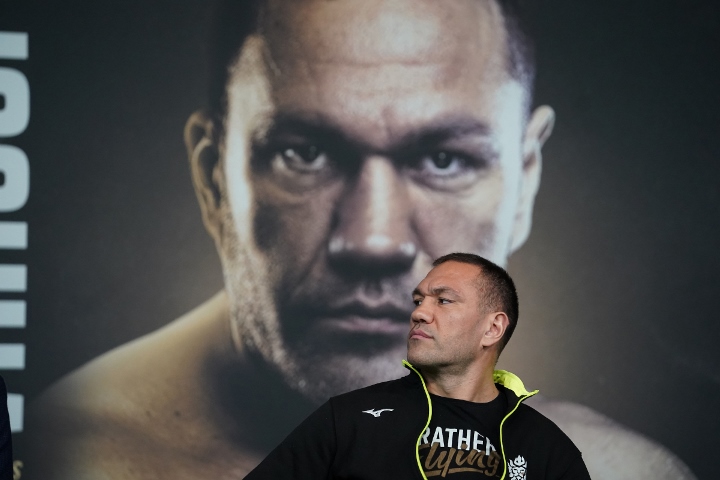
{"points": [[463, 439]]}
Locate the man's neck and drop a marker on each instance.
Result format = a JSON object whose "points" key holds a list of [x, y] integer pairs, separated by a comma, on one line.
{"points": [[470, 384]]}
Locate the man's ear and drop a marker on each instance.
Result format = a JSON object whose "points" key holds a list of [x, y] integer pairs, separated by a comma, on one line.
{"points": [[537, 132], [206, 171], [498, 324]]}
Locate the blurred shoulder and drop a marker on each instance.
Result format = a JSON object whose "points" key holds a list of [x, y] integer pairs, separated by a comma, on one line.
{"points": [[147, 372], [610, 450], [141, 411]]}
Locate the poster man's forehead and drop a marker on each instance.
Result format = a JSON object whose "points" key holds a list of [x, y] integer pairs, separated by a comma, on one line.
{"points": [[342, 61], [470, 38], [399, 31]]}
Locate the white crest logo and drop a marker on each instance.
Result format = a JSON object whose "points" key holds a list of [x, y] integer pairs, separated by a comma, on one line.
{"points": [[376, 413], [517, 468]]}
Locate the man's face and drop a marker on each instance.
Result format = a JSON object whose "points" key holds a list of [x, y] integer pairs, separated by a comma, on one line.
{"points": [[363, 140], [449, 323]]}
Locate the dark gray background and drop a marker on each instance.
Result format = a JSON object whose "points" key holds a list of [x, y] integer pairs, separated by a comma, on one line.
{"points": [[618, 282]]}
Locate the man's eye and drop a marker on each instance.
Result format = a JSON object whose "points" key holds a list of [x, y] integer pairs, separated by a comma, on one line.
{"points": [[443, 164], [443, 301], [417, 302], [301, 159]]}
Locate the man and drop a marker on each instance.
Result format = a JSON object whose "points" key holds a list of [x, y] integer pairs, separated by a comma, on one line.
{"points": [[348, 144], [466, 310]]}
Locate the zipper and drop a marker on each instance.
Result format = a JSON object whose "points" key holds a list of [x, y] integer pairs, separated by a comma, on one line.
{"points": [[502, 446], [427, 424]]}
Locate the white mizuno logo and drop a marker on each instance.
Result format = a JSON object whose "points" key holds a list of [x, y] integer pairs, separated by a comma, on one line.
{"points": [[376, 413]]}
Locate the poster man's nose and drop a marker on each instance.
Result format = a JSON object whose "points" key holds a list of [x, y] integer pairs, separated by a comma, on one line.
{"points": [[373, 228]]}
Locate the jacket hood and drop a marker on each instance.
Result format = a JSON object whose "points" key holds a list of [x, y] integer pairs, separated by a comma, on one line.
{"points": [[502, 377], [512, 382]]}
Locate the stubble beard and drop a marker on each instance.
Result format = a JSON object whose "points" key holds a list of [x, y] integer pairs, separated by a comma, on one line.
{"points": [[258, 334], [453, 360]]}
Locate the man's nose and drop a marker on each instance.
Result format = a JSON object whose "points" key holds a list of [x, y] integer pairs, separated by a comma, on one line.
{"points": [[372, 231], [421, 315]]}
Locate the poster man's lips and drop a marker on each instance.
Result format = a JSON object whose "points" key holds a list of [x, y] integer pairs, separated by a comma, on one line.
{"points": [[368, 310], [360, 317], [365, 325]]}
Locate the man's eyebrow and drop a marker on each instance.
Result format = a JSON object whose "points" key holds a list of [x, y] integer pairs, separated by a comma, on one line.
{"points": [[440, 289], [440, 134], [446, 128], [302, 124], [436, 291], [319, 127]]}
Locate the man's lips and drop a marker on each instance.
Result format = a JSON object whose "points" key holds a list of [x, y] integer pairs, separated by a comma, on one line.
{"points": [[417, 333]]}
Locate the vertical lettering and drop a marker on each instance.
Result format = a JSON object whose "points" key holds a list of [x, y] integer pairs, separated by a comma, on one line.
{"points": [[14, 192]]}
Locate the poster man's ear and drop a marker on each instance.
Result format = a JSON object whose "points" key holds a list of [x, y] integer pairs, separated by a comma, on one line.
{"points": [[205, 168], [537, 132]]}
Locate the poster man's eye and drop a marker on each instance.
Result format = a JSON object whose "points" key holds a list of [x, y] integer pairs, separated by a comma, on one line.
{"points": [[447, 170], [443, 163], [442, 160], [301, 159]]}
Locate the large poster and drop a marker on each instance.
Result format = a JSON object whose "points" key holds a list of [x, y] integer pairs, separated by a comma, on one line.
{"points": [[235, 200]]}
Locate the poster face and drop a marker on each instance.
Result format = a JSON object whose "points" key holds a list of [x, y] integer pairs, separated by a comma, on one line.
{"points": [[286, 231]]}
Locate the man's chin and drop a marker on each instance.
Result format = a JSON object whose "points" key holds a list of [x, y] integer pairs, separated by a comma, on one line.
{"points": [[423, 360]]}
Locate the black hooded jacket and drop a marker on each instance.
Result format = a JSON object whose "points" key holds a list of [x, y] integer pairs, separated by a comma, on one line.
{"points": [[343, 439]]}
